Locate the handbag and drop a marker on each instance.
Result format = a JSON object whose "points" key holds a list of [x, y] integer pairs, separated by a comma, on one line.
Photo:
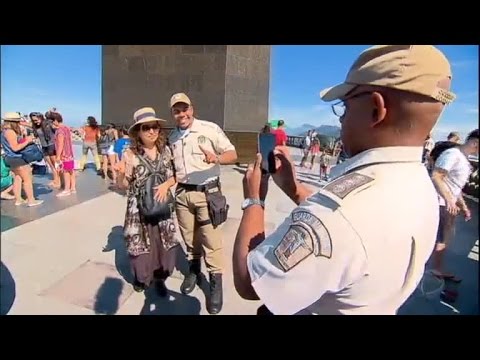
{"points": [[31, 153], [148, 207]]}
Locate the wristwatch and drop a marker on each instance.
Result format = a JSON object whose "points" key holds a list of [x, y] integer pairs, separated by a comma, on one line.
{"points": [[249, 202]]}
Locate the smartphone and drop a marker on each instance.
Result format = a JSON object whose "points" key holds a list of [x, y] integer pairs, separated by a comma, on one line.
{"points": [[266, 145]]}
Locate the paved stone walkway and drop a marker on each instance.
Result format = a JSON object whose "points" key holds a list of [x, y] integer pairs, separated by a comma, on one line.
{"points": [[69, 257]]}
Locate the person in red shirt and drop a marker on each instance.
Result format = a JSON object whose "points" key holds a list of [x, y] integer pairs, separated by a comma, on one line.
{"points": [[280, 134]]}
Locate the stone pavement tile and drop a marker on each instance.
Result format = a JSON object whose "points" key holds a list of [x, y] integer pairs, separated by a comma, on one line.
{"points": [[28, 303], [89, 186], [10, 250], [42, 252], [62, 242], [93, 285]]}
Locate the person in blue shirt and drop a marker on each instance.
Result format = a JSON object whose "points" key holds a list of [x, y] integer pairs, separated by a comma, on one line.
{"points": [[122, 143]]}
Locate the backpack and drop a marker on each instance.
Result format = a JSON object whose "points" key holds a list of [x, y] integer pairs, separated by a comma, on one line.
{"points": [[440, 147], [149, 208]]}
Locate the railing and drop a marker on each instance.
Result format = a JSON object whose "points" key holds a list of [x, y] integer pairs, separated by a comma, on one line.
{"points": [[294, 141]]}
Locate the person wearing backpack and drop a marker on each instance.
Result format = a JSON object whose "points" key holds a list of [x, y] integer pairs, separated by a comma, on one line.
{"points": [[150, 231]]}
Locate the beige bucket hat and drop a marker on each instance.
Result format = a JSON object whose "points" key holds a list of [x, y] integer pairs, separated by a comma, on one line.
{"points": [[144, 115]]}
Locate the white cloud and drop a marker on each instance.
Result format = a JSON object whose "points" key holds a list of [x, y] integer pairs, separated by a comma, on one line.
{"points": [[296, 116], [472, 111]]}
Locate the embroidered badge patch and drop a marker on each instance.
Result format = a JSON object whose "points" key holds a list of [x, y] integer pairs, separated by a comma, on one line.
{"points": [[344, 185], [202, 139], [296, 246], [322, 244]]}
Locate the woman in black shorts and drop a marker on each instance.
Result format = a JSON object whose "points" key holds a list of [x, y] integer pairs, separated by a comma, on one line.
{"points": [[46, 134]]}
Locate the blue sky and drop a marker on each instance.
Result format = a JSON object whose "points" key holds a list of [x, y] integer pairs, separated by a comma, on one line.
{"points": [[298, 73], [35, 78]]}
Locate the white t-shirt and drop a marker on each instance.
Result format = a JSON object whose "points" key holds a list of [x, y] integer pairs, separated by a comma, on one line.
{"points": [[459, 169]]}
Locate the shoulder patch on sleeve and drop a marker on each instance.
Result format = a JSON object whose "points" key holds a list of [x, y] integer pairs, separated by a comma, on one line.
{"points": [[344, 185], [322, 242], [306, 236], [296, 246]]}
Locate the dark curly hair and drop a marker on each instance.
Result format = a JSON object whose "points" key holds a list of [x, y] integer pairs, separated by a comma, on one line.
{"points": [[136, 143]]}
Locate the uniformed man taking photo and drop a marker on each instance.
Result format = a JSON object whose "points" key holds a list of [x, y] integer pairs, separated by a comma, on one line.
{"points": [[199, 147], [360, 244]]}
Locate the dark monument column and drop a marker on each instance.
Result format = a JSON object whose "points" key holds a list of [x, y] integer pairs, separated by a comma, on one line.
{"points": [[228, 84]]}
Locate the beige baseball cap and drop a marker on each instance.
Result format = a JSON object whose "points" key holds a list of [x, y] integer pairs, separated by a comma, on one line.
{"points": [[413, 68], [179, 97]]}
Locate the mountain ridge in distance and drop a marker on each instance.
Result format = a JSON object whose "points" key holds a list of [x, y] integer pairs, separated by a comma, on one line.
{"points": [[329, 130]]}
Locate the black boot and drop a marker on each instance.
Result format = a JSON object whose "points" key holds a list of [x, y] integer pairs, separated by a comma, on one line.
{"points": [[215, 303], [192, 278]]}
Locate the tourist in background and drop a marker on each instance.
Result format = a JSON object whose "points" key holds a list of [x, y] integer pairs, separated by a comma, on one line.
{"points": [[64, 159], [13, 143], [9, 182], [122, 143], [450, 175], [325, 159], [90, 134], [44, 131], [314, 150], [280, 134], [306, 144], [105, 147]]}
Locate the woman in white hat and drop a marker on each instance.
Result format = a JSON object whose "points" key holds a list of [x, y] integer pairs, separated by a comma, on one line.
{"points": [[151, 243], [12, 142]]}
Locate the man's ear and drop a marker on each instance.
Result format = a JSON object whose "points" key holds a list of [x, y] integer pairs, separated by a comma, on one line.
{"points": [[379, 111]]}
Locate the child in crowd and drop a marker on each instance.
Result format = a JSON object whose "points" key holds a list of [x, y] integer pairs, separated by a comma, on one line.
{"points": [[325, 159]]}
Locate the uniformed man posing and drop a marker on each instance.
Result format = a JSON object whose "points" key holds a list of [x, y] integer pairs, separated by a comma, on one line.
{"points": [[360, 244], [199, 147]]}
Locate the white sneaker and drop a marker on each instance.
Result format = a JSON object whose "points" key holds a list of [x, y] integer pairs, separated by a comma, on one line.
{"points": [[35, 203], [64, 193]]}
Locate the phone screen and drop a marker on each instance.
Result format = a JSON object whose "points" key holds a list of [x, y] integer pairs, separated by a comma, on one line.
{"points": [[266, 145]]}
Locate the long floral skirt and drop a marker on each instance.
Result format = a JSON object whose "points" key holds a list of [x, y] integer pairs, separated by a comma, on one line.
{"points": [[158, 263]]}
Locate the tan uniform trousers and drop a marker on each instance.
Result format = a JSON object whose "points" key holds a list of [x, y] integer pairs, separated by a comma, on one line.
{"points": [[197, 229]]}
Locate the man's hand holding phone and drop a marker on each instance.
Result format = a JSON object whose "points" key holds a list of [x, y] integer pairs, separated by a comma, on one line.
{"points": [[255, 181]]}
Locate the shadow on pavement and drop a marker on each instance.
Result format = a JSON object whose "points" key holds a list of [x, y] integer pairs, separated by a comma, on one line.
{"points": [[182, 266], [108, 295], [116, 243], [173, 304], [115, 189], [7, 290], [41, 189]]}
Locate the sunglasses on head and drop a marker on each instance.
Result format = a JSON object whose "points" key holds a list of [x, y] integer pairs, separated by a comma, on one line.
{"points": [[148, 127]]}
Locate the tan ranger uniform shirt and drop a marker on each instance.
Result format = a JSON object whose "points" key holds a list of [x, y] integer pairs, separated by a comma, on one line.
{"points": [[190, 166], [357, 246]]}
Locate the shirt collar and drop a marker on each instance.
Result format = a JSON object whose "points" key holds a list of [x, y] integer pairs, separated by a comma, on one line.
{"points": [[193, 128], [381, 155]]}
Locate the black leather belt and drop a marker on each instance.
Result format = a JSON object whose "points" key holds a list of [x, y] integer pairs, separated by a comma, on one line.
{"points": [[200, 188]]}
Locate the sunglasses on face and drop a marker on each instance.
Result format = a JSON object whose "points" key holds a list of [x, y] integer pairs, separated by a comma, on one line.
{"points": [[146, 128], [339, 108]]}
